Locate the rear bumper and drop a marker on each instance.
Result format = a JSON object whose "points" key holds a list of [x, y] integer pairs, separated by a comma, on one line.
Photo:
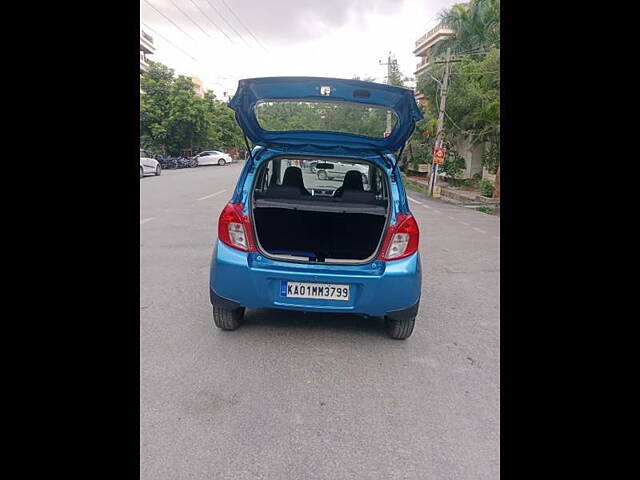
{"points": [[379, 288]]}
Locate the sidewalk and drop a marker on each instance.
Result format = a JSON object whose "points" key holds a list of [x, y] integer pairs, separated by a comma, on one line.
{"points": [[458, 196]]}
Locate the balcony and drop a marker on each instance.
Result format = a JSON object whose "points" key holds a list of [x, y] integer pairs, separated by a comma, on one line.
{"points": [[422, 65], [146, 43], [144, 64], [433, 36]]}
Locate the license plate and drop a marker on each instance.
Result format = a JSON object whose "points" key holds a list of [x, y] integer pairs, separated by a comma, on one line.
{"points": [[329, 291]]}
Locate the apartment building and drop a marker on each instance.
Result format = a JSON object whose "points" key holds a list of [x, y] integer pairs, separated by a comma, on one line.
{"points": [[424, 50], [199, 86], [146, 48]]}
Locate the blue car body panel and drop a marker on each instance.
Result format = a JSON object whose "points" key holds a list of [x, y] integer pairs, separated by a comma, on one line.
{"points": [[376, 288], [398, 99], [252, 280]]}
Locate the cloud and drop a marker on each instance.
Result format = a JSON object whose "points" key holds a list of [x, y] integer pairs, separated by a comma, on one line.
{"points": [[334, 38], [285, 21]]}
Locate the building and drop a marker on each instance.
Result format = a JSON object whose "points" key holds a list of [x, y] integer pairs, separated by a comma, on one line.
{"points": [[199, 86], [424, 50], [146, 48]]}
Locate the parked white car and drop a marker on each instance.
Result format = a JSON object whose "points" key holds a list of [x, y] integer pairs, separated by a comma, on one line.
{"points": [[213, 157], [148, 164], [340, 169]]}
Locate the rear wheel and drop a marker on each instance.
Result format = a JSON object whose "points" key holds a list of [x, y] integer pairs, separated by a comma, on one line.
{"points": [[399, 329], [221, 162], [158, 170], [141, 172], [227, 319]]}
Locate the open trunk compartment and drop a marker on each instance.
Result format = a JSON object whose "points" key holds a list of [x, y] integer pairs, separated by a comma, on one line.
{"points": [[299, 218], [318, 235]]}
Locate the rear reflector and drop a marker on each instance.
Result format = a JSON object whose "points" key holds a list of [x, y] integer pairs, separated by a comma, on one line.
{"points": [[401, 239], [234, 229]]}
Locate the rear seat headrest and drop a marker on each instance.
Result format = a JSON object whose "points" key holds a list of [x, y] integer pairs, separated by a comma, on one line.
{"points": [[353, 181]]}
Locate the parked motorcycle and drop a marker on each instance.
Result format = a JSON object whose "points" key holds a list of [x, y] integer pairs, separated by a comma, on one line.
{"points": [[168, 163], [186, 162]]}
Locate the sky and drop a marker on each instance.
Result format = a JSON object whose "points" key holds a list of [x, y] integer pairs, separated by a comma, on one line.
{"points": [[222, 41]]}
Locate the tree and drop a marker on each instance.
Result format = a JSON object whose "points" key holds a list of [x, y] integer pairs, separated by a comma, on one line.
{"points": [[173, 118], [154, 105], [187, 123], [224, 132], [473, 100], [476, 25]]}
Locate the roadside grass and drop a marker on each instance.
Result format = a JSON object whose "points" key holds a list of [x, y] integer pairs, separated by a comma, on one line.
{"points": [[413, 186], [484, 209]]}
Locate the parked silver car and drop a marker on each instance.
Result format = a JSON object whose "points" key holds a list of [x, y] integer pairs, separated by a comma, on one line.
{"points": [[212, 157], [340, 169], [148, 164]]}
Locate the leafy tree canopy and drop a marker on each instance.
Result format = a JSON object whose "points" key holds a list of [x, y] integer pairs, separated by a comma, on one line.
{"points": [[473, 99], [173, 118]]}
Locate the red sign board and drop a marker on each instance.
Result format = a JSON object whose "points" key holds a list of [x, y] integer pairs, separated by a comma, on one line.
{"points": [[438, 155]]}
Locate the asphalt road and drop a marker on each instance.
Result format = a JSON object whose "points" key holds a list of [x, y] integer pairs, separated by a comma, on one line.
{"points": [[295, 396]]}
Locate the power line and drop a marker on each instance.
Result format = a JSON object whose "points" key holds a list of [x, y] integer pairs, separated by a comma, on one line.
{"points": [[170, 42], [228, 24], [460, 128], [447, 115], [467, 52], [478, 48], [474, 73], [175, 24], [475, 53], [191, 20], [211, 21], [245, 27], [185, 53]]}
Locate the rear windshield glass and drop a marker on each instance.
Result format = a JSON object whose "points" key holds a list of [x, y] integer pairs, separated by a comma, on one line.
{"points": [[343, 117], [322, 177]]}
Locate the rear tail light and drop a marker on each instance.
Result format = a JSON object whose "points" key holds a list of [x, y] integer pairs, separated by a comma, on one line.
{"points": [[401, 239], [234, 228]]}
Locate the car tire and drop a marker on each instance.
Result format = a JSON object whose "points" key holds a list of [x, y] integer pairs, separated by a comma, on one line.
{"points": [[222, 162], [158, 170], [400, 329], [227, 319], [141, 172], [322, 175]]}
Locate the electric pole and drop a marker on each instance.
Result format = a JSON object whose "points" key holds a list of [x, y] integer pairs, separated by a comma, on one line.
{"points": [[389, 64], [440, 128]]}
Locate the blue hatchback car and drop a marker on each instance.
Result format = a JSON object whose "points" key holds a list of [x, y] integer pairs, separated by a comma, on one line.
{"points": [[295, 237]]}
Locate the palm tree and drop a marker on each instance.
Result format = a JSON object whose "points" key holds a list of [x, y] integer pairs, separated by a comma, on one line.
{"points": [[476, 25]]}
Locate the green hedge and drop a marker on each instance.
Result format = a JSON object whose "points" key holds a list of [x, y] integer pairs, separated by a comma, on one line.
{"points": [[486, 188]]}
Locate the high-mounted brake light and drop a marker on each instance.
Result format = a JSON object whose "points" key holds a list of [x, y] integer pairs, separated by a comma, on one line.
{"points": [[234, 228], [401, 239]]}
